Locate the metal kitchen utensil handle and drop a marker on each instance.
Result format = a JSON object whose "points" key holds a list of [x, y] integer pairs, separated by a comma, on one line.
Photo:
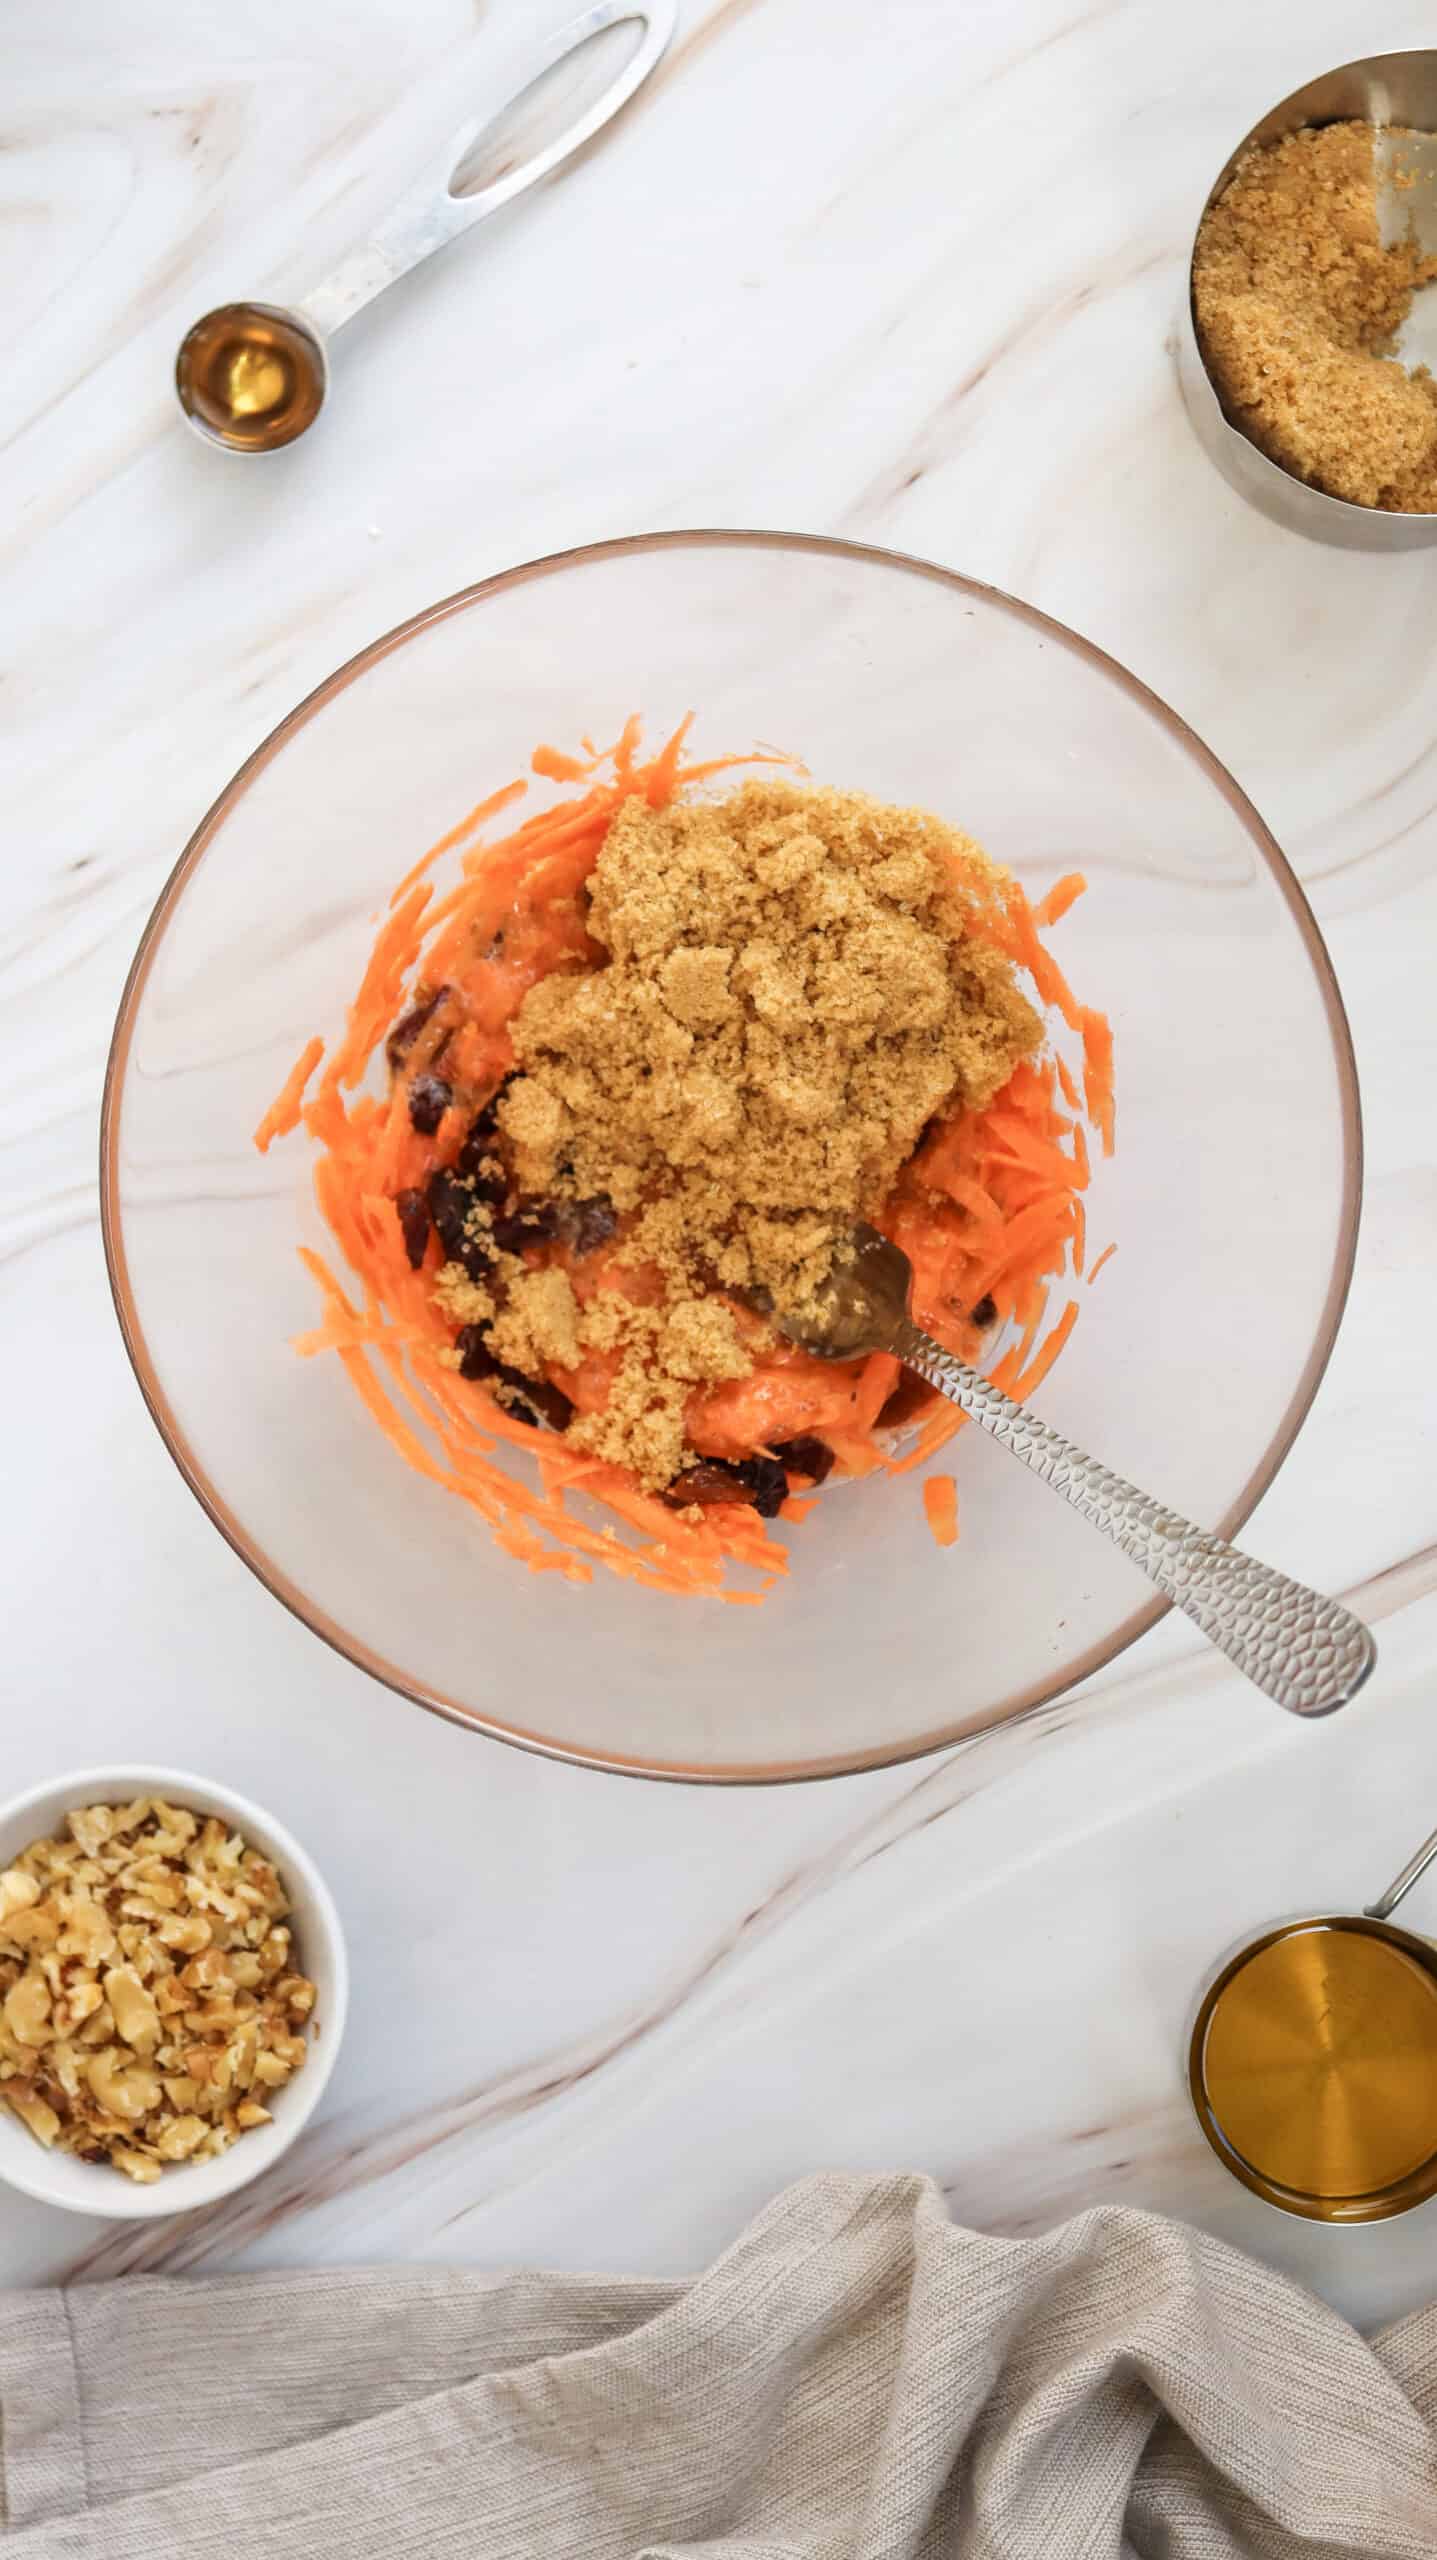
{"points": [[1417, 1865], [430, 215], [1308, 1653]]}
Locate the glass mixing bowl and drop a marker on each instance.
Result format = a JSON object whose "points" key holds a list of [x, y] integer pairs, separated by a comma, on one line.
{"points": [[1232, 1197]]}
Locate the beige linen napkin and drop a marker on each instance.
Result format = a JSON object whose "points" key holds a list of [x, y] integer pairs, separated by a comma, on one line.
{"points": [[855, 2377]]}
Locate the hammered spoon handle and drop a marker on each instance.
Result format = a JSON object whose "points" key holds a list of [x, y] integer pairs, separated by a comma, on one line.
{"points": [[1309, 1653]]}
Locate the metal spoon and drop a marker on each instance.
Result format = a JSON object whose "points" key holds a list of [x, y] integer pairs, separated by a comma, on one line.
{"points": [[1308, 1653], [252, 376]]}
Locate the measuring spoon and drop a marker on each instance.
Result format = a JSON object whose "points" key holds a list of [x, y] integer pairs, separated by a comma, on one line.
{"points": [[252, 376]]}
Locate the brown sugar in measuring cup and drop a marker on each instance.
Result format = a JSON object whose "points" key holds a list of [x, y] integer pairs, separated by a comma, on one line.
{"points": [[1394, 96]]}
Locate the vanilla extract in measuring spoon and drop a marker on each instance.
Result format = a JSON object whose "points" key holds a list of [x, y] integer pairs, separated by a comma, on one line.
{"points": [[252, 377]]}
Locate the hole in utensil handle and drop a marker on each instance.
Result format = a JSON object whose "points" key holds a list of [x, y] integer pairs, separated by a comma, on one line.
{"points": [[562, 106]]}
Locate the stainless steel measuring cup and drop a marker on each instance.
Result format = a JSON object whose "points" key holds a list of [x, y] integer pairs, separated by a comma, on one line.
{"points": [[1312, 2061], [252, 376], [1384, 89]]}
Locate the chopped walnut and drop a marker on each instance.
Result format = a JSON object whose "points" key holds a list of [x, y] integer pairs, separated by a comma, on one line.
{"points": [[149, 2002]]}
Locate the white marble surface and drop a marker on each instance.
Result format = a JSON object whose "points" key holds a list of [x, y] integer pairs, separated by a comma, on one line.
{"points": [[904, 272]]}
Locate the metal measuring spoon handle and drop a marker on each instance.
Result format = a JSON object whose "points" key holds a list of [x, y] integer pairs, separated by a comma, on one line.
{"points": [[429, 216], [1308, 1653]]}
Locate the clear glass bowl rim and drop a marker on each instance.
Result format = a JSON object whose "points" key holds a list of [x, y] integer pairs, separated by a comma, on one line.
{"points": [[265, 1568]]}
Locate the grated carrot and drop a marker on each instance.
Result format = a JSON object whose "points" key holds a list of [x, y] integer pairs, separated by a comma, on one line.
{"points": [[1105, 1256], [1098, 1073], [940, 1501], [990, 1205], [283, 1113], [1064, 893], [1027, 1379], [469, 826]]}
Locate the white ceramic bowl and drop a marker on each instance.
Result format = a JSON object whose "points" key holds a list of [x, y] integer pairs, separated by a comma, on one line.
{"points": [[79, 2185]]}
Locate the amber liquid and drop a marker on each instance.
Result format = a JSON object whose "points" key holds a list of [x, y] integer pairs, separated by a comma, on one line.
{"points": [[251, 377], [1318, 2063]]}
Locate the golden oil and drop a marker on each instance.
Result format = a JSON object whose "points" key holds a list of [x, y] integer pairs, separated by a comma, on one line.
{"points": [[1313, 2068], [252, 377]]}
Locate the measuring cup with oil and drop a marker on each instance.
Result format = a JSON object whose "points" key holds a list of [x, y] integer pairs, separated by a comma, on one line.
{"points": [[1313, 2062], [252, 376]]}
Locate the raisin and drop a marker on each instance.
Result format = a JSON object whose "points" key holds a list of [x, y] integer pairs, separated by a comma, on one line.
{"points": [[413, 1212], [984, 1312], [712, 1480], [767, 1483], [533, 1222], [429, 1099], [478, 1161], [590, 1223], [760, 1482], [407, 1029], [806, 1457], [552, 1404], [528, 1399], [476, 1360], [451, 1206]]}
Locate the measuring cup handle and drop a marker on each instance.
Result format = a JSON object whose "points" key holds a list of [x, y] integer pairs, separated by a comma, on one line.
{"points": [[430, 215], [1417, 1865]]}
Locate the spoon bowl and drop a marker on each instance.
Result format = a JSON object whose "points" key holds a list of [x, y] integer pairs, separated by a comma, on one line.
{"points": [[251, 376]]}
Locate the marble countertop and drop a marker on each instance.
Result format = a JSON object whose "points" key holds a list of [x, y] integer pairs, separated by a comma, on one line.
{"points": [[906, 273]]}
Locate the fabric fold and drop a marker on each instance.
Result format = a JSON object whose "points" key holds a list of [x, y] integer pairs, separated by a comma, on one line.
{"points": [[855, 2379]]}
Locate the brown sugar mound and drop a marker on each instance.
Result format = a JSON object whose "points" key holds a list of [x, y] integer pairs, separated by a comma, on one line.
{"points": [[793, 988], [1297, 300]]}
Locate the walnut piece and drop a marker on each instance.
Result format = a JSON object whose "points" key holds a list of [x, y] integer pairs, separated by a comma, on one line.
{"points": [[149, 2001]]}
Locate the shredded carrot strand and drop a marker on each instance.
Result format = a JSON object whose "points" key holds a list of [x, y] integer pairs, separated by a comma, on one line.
{"points": [[1105, 1256], [1033, 1376], [940, 1501], [1064, 893], [554, 766], [1098, 1073], [283, 1113], [469, 826]]}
